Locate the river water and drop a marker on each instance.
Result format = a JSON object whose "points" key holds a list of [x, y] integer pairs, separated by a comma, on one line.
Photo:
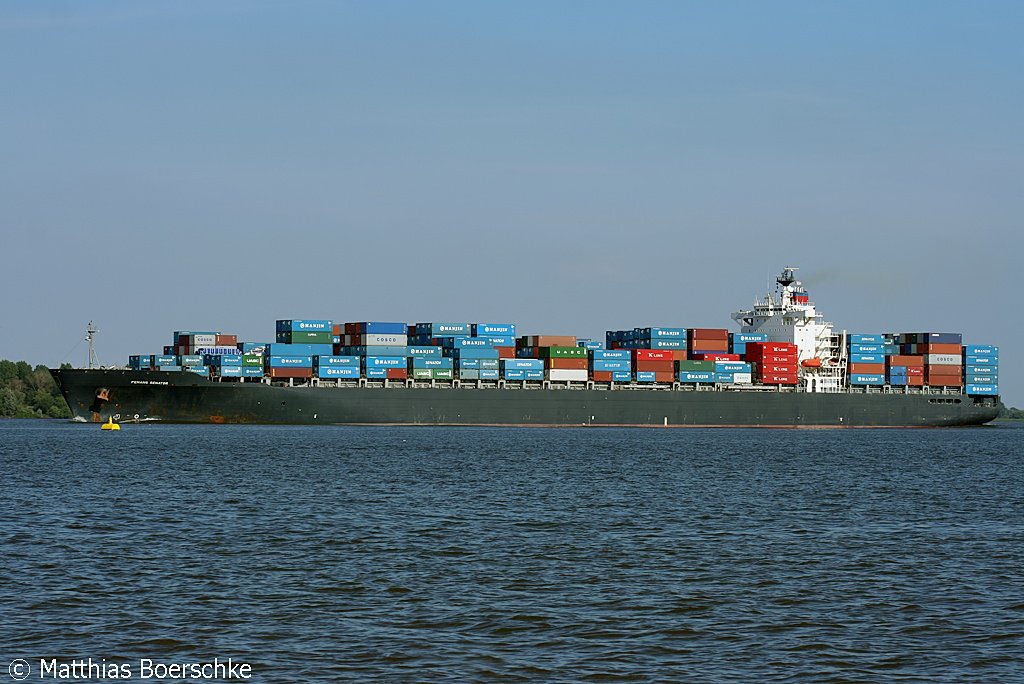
{"points": [[324, 554]]}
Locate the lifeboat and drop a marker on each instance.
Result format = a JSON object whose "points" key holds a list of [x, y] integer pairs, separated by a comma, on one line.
{"points": [[811, 363]]}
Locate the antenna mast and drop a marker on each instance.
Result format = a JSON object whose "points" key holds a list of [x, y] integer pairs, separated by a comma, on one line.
{"points": [[90, 333]]}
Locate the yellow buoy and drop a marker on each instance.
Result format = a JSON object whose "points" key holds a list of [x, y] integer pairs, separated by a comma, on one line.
{"points": [[110, 425]]}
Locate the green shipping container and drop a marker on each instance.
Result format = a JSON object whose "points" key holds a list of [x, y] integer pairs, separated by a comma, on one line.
{"points": [[563, 352], [432, 373], [696, 366], [252, 360], [311, 337]]}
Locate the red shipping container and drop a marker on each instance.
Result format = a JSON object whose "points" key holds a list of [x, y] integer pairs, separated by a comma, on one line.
{"points": [[779, 379], [506, 352], [711, 356], [867, 368], [773, 358], [397, 373], [777, 369], [602, 376], [336, 329], [935, 348], [227, 340], [656, 366], [351, 328], [291, 372], [664, 376], [915, 371], [942, 380], [653, 354], [906, 361], [571, 364], [943, 370], [708, 334], [771, 348]]}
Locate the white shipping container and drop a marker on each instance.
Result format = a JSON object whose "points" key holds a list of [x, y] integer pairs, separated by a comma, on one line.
{"points": [[563, 374], [943, 359], [203, 340], [383, 341], [742, 378]]}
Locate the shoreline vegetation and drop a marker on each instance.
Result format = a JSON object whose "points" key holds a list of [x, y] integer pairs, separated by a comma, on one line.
{"points": [[27, 392]]}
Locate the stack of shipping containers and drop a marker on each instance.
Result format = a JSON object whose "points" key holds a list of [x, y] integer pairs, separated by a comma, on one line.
{"points": [[981, 369], [866, 359], [773, 363]]}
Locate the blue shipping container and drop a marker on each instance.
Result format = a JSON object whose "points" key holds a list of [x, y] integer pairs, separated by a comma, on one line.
{"points": [[469, 374], [384, 362], [994, 370], [472, 353], [607, 354], [197, 370], [660, 343], [336, 372], [320, 361], [980, 379], [981, 360], [431, 362], [522, 364], [230, 371], [376, 373], [898, 371], [278, 349], [489, 364], [424, 351], [724, 377], [898, 380], [867, 358], [489, 374], [444, 329], [867, 349], [989, 390], [696, 376], [656, 333], [622, 376], [732, 367], [221, 361], [645, 376], [382, 328], [744, 338], [252, 372], [468, 342], [611, 365], [190, 360], [289, 361], [981, 350], [867, 379], [307, 325], [469, 364], [502, 341], [860, 338], [492, 329]]}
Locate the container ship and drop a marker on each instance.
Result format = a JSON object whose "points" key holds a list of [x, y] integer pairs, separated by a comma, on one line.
{"points": [[785, 367]]}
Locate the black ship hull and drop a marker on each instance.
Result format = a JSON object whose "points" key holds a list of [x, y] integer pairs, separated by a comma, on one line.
{"points": [[174, 397]]}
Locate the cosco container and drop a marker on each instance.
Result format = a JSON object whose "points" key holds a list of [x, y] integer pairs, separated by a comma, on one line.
{"points": [[942, 360], [312, 325]]}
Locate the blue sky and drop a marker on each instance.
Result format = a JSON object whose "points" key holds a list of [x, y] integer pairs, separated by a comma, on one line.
{"points": [[571, 167]]}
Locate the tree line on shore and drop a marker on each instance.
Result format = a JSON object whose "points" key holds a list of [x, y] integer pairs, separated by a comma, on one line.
{"points": [[27, 392]]}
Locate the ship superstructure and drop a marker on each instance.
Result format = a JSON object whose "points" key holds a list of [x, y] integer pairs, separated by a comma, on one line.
{"points": [[788, 315]]}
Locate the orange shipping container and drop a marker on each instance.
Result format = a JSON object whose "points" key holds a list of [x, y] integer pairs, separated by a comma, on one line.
{"points": [[571, 364], [602, 376], [915, 380], [708, 334], [867, 368], [397, 373], [656, 366], [506, 352], [227, 340], [291, 372], [665, 376], [943, 370], [551, 341], [906, 360], [936, 348]]}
